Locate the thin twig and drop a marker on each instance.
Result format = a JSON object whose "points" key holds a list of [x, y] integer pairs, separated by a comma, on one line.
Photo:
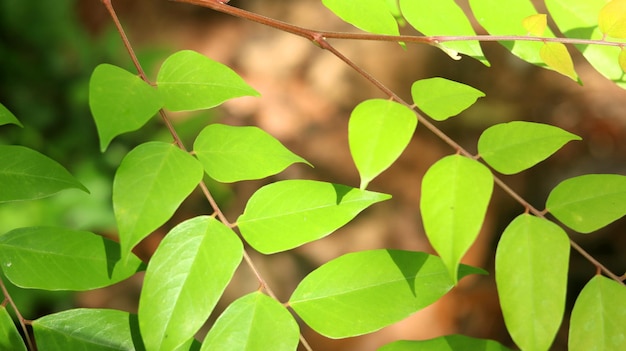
{"points": [[21, 319]]}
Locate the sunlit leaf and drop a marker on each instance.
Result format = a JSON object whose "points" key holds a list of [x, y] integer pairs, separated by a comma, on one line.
{"points": [[455, 194], [589, 202], [599, 317], [62, 259], [556, 56], [378, 131], [120, 102], [188, 80], [622, 60], [10, 339], [612, 19], [372, 16], [445, 343], [150, 183], [536, 24], [7, 117], [25, 174], [290, 213], [516, 146], [531, 274], [441, 98], [184, 280], [231, 154], [364, 291], [253, 322]]}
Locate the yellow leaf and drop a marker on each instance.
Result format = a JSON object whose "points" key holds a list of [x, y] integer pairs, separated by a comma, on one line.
{"points": [[536, 24], [622, 60], [612, 19], [556, 56]]}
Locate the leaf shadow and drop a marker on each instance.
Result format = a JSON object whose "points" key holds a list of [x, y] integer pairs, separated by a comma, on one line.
{"points": [[133, 324], [581, 33], [409, 263], [341, 191]]}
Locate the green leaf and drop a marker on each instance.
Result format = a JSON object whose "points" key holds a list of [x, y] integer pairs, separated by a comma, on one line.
{"points": [[612, 19], [6, 117], [62, 259], [150, 183], [599, 317], [372, 16], [364, 291], [230, 154], [184, 280], [441, 18], [536, 24], [621, 59], [188, 81], [10, 339], [445, 343], [378, 131], [556, 56], [253, 322], [589, 202], [290, 213], [441, 98], [516, 146], [25, 174], [531, 274], [455, 194], [87, 330], [120, 102]]}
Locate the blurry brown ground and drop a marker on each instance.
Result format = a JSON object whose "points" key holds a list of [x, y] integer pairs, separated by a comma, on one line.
{"points": [[307, 95]]}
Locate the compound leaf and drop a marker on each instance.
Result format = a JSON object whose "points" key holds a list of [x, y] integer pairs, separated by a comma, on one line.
{"points": [[612, 19], [10, 339], [6, 117], [372, 16], [445, 343], [531, 274], [441, 98], [589, 202], [290, 213], [184, 280], [231, 154], [556, 56]]}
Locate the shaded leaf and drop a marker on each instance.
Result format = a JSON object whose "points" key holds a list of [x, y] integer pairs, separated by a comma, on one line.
{"points": [[612, 19], [10, 339], [374, 16], [589, 202], [6, 117], [536, 24], [455, 194], [290, 213], [364, 291], [556, 56], [62, 259], [531, 274], [231, 154], [441, 98], [253, 322], [188, 80], [184, 280], [516, 146], [378, 131], [25, 174], [445, 343]]}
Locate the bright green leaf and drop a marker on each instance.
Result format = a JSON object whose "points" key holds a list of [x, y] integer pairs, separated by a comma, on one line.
{"points": [[599, 317], [191, 81], [516, 146], [378, 131], [372, 16], [184, 280], [443, 17], [231, 154], [120, 102], [556, 56], [455, 194], [150, 183], [621, 59], [253, 322], [589, 202], [531, 274], [7, 117], [62, 259], [10, 339], [25, 174], [445, 343], [364, 291], [612, 19], [536, 24], [290, 213], [441, 98]]}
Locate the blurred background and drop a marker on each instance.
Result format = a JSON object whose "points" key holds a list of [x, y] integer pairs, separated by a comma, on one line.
{"points": [[48, 51]]}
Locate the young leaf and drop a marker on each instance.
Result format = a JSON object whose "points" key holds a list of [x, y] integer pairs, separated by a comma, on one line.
{"points": [[10, 339], [441, 98], [120, 102], [25, 174], [445, 343], [188, 81], [556, 56], [184, 280], [150, 183], [62, 259], [253, 322], [455, 194], [599, 317], [378, 131], [516, 146], [230, 154], [443, 17], [612, 19], [290, 213], [7, 117], [531, 274], [364, 291], [589, 202], [372, 16], [536, 24]]}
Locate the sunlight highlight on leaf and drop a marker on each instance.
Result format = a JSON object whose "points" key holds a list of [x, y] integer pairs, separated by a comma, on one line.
{"points": [[442, 98], [556, 56], [536, 24], [612, 19], [622, 59], [374, 16]]}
